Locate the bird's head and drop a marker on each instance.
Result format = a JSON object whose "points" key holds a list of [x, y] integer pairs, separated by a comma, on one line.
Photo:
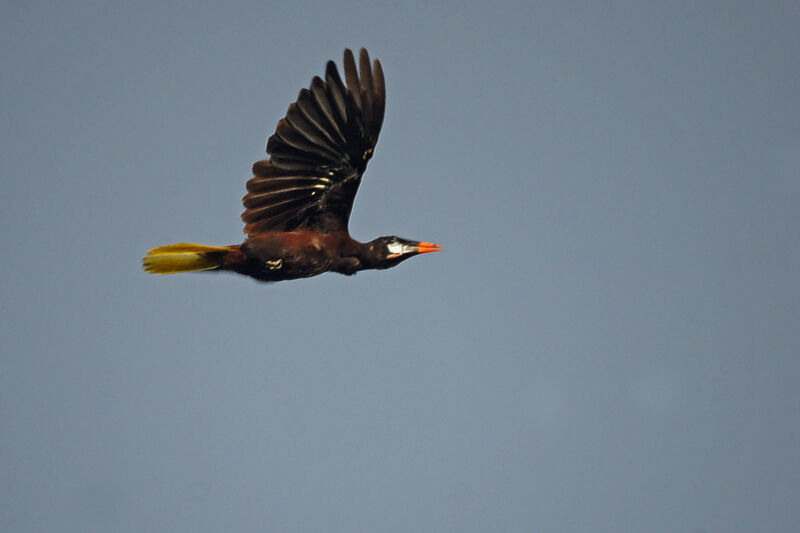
{"points": [[386, 252]]}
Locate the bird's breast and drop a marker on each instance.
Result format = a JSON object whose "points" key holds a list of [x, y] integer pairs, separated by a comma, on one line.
{"points": [[297, 254]]}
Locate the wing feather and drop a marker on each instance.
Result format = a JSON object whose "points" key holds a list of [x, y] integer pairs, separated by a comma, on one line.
{"points": [[351, 77], [336, 92], [306, 105], [367, 91], [326, 109], [291, 136], [319, 152], [379, 102], [305, 127]]}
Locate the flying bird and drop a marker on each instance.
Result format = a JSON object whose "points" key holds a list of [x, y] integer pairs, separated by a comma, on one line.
{"points": [[298, 201]]}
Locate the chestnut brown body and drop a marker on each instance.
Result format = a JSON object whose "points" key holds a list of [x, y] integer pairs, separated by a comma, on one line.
{"points": [[278, 256]]}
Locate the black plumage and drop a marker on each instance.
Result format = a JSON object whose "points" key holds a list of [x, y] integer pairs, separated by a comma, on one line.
{"points": [[298, 202], [319, 152]]}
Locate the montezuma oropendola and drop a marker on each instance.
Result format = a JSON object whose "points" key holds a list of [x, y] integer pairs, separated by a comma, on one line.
{"points": [[299, 200]]}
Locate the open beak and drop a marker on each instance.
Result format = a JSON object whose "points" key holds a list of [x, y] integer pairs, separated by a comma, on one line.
{"points": [[425, 247], [409, 248]]}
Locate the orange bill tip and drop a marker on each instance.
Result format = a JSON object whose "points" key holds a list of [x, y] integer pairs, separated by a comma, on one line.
{"points": [[425, 247]]}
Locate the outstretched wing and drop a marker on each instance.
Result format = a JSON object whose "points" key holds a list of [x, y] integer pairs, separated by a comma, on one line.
{"points": [[319, 152]]}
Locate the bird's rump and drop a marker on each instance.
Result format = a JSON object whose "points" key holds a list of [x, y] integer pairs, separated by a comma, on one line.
{"points": [[319, 152]]}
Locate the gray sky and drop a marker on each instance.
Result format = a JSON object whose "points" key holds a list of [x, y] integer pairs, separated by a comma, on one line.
{"points": [[608, 343]]}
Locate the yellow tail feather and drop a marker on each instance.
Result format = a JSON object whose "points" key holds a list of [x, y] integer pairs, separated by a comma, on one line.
{"points": [[183, 257]]}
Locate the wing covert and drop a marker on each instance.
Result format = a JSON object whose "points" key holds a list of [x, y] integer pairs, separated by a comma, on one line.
{"points": [[319, 152]]}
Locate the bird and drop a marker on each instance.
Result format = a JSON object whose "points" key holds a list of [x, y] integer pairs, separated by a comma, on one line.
{"points": [[299, 200]]}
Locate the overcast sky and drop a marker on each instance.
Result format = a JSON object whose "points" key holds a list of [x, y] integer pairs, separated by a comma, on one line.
{"points": [[608, 342]]}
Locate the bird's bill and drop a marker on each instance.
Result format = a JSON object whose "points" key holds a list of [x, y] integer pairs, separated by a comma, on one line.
{"points": [[425, 247], [409, 248]]}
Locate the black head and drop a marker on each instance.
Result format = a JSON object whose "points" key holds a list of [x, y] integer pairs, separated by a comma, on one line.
{"points": [[386, 252]]}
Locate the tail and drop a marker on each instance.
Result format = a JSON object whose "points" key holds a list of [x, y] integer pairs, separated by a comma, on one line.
{"points": [[184, 257]]}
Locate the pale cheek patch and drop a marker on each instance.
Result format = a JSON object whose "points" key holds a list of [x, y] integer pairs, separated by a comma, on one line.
{"points": [[395, 248]]}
